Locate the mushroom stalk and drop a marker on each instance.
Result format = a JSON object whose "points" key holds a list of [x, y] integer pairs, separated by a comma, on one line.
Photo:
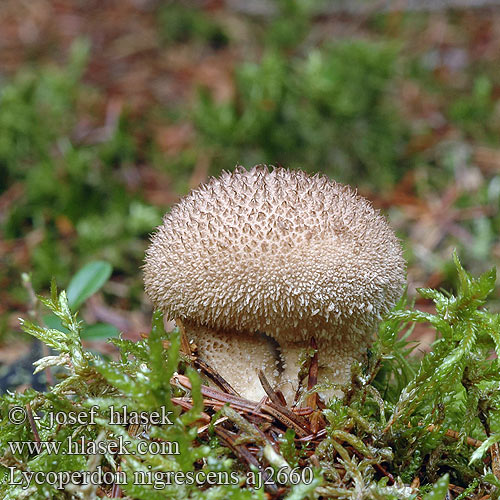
{"points": [[237, 357], [334, 367]]}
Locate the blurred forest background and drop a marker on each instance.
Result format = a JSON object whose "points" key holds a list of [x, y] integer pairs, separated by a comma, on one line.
{"points": [[111, 110]]}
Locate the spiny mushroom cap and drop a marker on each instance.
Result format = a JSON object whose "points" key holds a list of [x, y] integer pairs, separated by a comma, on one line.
{"points": [[275, 251]]}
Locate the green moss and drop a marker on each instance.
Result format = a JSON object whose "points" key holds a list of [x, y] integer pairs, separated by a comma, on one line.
{"points": [[392, 425]]}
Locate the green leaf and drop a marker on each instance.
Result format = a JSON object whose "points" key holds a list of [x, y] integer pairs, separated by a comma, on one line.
{"points": [[463, 276], [478, 454], [89, 332], [87, 281], [126, 384], [439, 490], [491, 479], [52, 321], [53, 290], [52, 337], [303, 490], [194, 413], [430, 293], [99, 331], [162, 369]]}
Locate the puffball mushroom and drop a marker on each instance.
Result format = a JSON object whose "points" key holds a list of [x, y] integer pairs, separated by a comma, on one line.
{"points": [[278, 254]]}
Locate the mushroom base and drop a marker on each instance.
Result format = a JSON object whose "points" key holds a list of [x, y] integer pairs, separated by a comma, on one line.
{"points": [[334, 366], [237, 357]]}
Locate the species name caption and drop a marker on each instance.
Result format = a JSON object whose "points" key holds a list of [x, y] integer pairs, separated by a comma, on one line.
{"points": [[18, 415]]}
